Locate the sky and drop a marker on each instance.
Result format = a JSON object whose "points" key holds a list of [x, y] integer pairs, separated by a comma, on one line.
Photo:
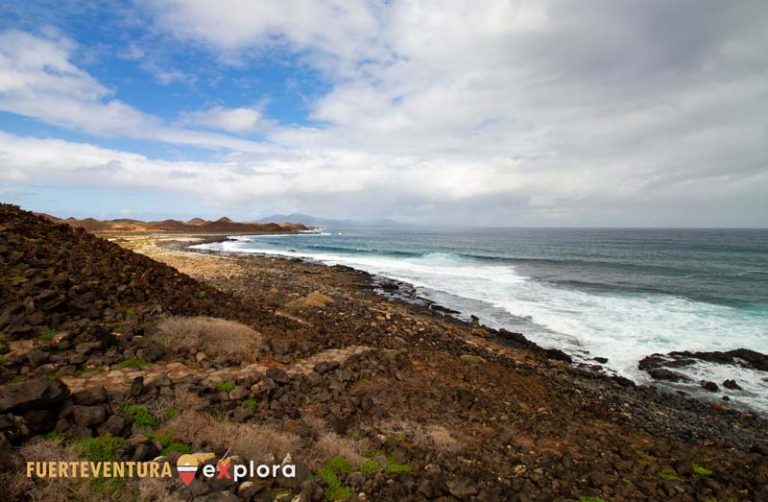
{"points": [[494, 113]]}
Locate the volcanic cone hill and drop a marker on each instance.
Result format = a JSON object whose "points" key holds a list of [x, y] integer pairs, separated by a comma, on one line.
{"points": [[58, 278], [196, 225], [58, 281]]}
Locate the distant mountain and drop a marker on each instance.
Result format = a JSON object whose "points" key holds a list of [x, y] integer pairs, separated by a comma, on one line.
{"points": [[195, 225], [304, 219], [315, 221]]}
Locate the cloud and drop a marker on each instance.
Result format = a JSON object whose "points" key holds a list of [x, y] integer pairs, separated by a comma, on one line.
{"points": [[236, 120], [334, 34], [523, 112], [38, 80]]}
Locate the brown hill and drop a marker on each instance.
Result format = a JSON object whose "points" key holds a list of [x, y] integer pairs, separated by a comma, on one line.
{"points": [[195, 225], [56, 277]]}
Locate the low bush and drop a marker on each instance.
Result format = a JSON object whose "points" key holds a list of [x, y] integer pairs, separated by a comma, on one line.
{"points": [[214, 337], [141, 416]]}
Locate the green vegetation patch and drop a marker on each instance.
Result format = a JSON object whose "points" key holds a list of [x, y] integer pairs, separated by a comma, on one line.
{"points": [[227, 385], [48, 335], [132, 362], [53, 436], [701, 470], [329, 473], [249, 403], [106, 487], [395, 467], [169, 443], [99, 449], [18, 379], [590, 499], [141, 416], [669, 474]]}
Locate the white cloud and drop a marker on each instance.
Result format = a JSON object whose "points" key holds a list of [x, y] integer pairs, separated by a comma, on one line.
{"points": [[236, 120], [336, 32], [38, 80], [519, 112]]}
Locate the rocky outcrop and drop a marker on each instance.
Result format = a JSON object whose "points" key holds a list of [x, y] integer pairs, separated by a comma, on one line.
{"points": [[40, 393], [72, 290]]}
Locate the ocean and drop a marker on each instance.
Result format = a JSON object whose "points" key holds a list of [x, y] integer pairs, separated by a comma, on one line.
{"points": [[622, 294]]}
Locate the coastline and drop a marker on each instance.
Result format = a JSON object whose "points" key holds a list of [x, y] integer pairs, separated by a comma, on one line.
{"points": [[397, 400], [405, 294], [654, 374]]}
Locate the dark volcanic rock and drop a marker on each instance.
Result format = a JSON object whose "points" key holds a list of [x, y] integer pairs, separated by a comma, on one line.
{"points": [[731, 384], [63, 279], [278, 376], [33, 394], [710, 386], [90, 416], [668, 375], [90, 396]]}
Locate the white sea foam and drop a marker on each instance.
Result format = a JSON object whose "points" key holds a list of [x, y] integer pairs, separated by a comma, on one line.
{"points": [[622, 327]]}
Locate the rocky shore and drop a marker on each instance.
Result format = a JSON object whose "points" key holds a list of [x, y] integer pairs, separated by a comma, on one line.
{"points": [[145, 349]]}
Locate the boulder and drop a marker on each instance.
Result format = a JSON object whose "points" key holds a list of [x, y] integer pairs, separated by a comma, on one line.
{"points": [[115, 425], [461, 488], [38, 393], [90, 416], [668, 375], [10, 461], [326, 366], [90, 396], [278, 376]]}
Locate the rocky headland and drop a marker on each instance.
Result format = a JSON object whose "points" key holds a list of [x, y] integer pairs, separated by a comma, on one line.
{"points": [[144, 350]]}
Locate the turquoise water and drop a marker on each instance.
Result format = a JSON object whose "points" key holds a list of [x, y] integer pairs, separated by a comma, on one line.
{"points": [[620, 294]]}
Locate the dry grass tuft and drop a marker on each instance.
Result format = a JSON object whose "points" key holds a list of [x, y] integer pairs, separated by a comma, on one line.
{"points": [[16, 486], [440, 437], [214, 337], [179, 402], [252, 441], [315, 299], [331, 444], [426, 436], [156, 490]]}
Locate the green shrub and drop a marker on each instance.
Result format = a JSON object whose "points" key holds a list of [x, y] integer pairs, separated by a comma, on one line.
{"points": [[171, 413], [669, 474], [106, 487], [132, 362], [141, 416], [395, 467], [590, 499], [228, 385], [99, 449], [18, 379], [47, 335], [701, 471], [249, 403], [329, 473], [169, 443]]}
